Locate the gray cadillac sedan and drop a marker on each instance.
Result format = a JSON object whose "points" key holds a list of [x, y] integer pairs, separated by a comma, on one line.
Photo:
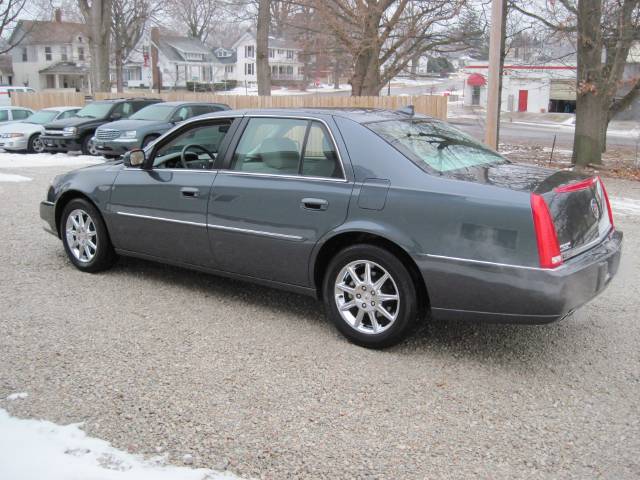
{"points": [[383, 215]]}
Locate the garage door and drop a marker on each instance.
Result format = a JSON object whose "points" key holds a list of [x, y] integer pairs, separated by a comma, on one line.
{"points": [[563, 90]]}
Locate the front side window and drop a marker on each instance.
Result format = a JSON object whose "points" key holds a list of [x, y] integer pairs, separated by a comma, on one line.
{"points": [[156, 112], [4, 116], [21, 114], [123, 109], [286, 146], [434, 145], [194, 149]]}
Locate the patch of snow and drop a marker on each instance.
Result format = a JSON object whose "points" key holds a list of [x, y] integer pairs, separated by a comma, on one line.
{"points": [[31, 160], [38, 449], [625, 206], [17, 396], [7, 177]]}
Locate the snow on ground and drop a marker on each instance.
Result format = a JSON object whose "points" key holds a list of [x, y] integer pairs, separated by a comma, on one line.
{"points": [[17, 396], [9, 178], [22, 160], [323, 88], [625, 206], [38, 449]]}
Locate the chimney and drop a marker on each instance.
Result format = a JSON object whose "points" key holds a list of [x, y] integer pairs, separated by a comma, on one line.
{"points": [[156, 81], [57, 15]]}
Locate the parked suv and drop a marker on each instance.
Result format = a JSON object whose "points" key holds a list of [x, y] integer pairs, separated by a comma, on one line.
{"points": [[76, 133], [144, 126]]}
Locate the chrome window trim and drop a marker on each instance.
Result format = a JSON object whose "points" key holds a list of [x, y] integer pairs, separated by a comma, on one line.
{"points": [[283, 176], [299, 117], [260, 233], [191, 170], [494, 264]]}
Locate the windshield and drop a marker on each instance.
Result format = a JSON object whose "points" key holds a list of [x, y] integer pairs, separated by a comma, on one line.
{"points": [[95, 110], [153, 112], [41, 117], [435, 144]]}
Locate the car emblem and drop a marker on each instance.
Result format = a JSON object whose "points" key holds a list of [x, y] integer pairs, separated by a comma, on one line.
{"points": [[595, 208]]}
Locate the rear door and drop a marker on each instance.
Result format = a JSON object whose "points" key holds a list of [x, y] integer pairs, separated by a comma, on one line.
{"points": [[283, 188], [161, 211]]}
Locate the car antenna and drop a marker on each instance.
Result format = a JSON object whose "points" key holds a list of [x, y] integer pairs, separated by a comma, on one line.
{"points": [[408, 110]]}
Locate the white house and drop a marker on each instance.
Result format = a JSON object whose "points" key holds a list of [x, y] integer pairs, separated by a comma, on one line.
{"points": [[50, 54], [286, 66], [180, 59], [525, 88]]}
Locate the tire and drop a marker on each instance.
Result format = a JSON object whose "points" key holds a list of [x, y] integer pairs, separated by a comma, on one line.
{"points": [[94, 259], [87, 146], [356, 323], [147, 140], [35, 145]]}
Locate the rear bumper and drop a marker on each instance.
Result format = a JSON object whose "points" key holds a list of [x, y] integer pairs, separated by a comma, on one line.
{"points": [[48, 214], [462, 289], [61, 144]]}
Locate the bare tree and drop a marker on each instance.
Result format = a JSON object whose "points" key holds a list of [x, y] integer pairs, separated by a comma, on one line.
{"points": [[128, 24], [9, 12], [263, 71], [382, 36], [197, 16], [97, 15], [604, 31]]}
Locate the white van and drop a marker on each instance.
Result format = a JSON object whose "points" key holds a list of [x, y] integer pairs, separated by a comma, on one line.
{"points": [[6, 90]]}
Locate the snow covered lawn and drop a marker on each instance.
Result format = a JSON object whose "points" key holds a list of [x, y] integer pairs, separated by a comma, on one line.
{"points": [[23, 160], [38, 449]]}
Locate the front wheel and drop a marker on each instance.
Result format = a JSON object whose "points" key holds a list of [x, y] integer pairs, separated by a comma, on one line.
{"points": [[88, 146], [85, 237], [36, 145], [370, 296]]}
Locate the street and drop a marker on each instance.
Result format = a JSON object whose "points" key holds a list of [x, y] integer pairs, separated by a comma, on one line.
{"points": [[160, 360]]}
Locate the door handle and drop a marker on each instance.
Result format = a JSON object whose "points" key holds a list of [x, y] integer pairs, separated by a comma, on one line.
{"points": [[189, 192], [314, 204]]}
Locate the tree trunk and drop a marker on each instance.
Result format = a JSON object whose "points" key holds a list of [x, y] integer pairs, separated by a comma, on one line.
{"points": [[587, 142], [415, 60], [263, 71], [366, 80], [336, 73], [98, 16], [119, 71]]}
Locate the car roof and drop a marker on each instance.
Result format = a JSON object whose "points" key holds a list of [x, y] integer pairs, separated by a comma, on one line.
{"points": [[359, 115], [60, 109], [10, 107], [176, 103], [127, 99]]}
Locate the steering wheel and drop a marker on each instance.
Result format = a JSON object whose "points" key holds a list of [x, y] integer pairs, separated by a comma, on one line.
{"points": [[183, 160]]}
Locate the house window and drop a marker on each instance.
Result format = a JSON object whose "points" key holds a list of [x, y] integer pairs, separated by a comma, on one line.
{"points": [[280, 51], [274, 70], [81, 54], [272, 53], [47, 54], [228, 69], [249, 69], [63, 53], [25, 57], [289, 70], [290, 54], [249, 51]]}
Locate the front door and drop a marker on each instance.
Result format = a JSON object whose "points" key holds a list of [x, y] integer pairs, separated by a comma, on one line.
{"points": [[161, 210], [283, 188], [523, 97]]}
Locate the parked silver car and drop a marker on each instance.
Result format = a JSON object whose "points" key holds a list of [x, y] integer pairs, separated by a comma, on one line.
{"points": [[24, 135]]}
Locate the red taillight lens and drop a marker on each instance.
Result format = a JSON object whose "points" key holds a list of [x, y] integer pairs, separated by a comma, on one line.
{"points": [[606, 199], [572, 187], [548, 246]]}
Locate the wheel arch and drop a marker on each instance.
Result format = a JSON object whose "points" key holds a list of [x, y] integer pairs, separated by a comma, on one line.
{"points": [[64, 199], [343, 239]]}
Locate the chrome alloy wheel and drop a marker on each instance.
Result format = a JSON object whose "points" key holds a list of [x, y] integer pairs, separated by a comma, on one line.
{"points": [[38, 145], [93, 150], [82, 237], [367, 297]]}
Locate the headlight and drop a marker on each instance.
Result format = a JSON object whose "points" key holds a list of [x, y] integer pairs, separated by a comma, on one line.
{"points": [[128, 134], [12, 135], [70, 131]]}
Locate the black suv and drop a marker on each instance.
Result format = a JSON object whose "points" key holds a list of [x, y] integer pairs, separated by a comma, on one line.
{"points": [[76, 133]]}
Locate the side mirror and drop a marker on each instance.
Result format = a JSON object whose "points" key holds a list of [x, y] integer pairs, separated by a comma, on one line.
{"points": [[134, 158]]}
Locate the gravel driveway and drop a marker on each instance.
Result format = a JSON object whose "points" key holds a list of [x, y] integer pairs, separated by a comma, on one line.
{"points": [[158, 359]]}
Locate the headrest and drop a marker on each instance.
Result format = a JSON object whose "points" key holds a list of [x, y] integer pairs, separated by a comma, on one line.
{"points": [[280, 153]]}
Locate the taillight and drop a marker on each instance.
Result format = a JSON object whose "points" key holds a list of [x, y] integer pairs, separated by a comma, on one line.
{"points": [[606, 199], [573, 187], [548, 246]]}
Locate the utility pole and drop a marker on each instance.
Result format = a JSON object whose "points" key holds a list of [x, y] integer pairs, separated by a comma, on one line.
{"points": [[493, 87]]}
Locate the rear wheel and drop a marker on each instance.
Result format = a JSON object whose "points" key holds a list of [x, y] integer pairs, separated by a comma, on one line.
{"points": [[370, 296], [85, 237], [36, 145]]}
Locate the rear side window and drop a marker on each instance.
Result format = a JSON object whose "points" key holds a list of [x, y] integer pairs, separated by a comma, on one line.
{"points": [[286, 146], [21, 114], [4, 116]]}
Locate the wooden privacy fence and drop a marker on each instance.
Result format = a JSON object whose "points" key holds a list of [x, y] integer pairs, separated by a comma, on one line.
{"points": [[433, 105]]}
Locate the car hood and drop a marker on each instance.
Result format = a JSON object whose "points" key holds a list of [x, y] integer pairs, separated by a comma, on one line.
{"points": [[21, 127], [129, 124], [517, 176], [70, 122]]}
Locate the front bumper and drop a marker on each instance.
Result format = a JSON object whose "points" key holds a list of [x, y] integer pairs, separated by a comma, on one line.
{"points": [[48, 214], [118, 146], [60, 143], [14, 144], [459, 289]]}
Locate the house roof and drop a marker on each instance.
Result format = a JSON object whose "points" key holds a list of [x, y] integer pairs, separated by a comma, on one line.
{"points": [[6, 64], [175, 48], [273, 42], [65, 68], [38, 32]]}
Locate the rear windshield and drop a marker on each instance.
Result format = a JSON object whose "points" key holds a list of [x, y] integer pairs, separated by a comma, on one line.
{"points": [[94, 110], [154, 112], [434, 145]]}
